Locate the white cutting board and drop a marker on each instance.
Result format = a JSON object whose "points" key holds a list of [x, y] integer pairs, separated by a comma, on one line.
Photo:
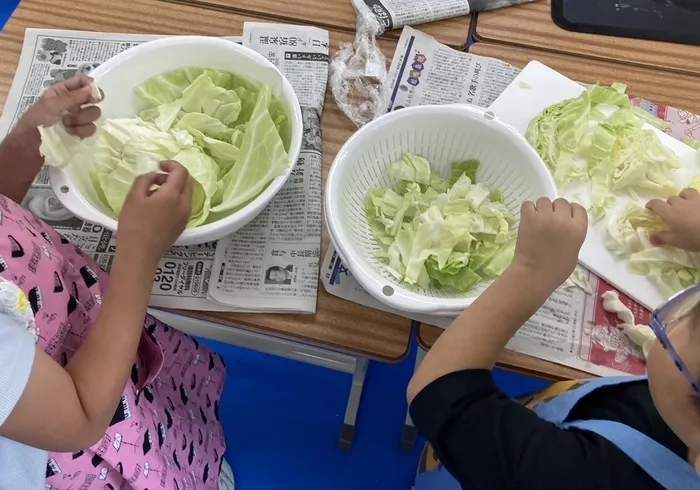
{"points": [[536, 88]]}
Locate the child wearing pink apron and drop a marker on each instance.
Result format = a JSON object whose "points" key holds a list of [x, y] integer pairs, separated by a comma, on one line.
{"points": [[165, 431]]}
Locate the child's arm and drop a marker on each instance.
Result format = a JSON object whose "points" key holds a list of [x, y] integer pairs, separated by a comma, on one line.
{"points": [[69, 409], [549, 239], [20, 160], [66, 410]]}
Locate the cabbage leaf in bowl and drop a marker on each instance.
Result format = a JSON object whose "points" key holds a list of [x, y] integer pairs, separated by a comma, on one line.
{"points": [[230, 133]]}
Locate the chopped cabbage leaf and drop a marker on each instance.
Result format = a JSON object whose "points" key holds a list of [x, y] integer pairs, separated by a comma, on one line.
{"points": [[579, 279], [125, 149], [437, 232], [207, 125], [411, 168], [693, 143], [599, 138], [203, 170], [613, 95], [201, 92], [650, 118], [163, 116], [230, 133], [456, 274], [58, 147], [670, 269], [170, 86], [466, 167], [262, 158]]}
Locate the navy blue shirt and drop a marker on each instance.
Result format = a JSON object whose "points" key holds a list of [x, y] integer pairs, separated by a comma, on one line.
{"points": [[489, 441]]}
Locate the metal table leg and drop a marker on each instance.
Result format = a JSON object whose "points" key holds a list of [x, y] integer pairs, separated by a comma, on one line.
{"points": [[347, 433], [316, 356]]}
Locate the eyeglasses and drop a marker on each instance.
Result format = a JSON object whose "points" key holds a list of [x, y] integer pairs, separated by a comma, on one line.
{"points": [[668, 316]]}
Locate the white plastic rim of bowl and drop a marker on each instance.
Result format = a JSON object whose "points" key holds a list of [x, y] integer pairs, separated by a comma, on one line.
{"points": [[378, 134], [134, 66]]}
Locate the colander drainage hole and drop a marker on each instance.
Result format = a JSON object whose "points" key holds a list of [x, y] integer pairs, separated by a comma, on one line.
{"points": [[489, 116], [64, 189], [388, 291]]}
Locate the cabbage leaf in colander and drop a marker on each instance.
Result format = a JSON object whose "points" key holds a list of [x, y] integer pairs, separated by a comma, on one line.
{"points": [[230, 133], [437, 232]]}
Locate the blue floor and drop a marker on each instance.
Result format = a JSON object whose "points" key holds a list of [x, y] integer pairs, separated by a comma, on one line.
{"points": [[282, 420], [6, 9]]}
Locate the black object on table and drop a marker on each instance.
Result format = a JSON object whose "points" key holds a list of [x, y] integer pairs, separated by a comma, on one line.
{"points": [[660, 20]]}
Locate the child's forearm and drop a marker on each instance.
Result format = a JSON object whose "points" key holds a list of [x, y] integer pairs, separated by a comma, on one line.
{"points": [[477, 337], [20, 161], [101, 367]]}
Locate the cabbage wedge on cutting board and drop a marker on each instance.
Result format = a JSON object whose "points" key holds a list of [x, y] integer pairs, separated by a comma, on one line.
{"points": [[535, 89]]}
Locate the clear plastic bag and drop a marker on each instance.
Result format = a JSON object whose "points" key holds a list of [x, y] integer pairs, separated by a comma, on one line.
{"points": [[358, 71]]}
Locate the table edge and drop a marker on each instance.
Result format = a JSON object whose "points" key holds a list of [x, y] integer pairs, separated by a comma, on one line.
{"points": [[511, 367], [392, 35], [264, 330]]}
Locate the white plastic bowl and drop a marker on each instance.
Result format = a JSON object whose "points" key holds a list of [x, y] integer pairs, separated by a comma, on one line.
{"points": [[118, 77], [442, 134]]}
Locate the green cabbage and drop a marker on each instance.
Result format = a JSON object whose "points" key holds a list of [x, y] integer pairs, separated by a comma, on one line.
{"points": [[693, 143], [579, 279], [440, 233], [262, 158], [670, 269], [599, 138], [230, 133]]}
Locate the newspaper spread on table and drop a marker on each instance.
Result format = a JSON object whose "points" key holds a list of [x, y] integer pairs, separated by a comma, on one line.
{"points": [[393, 14], [571, 328], [270, 265]]}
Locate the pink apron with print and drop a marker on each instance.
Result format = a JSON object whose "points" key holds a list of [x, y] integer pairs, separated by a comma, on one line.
{"points": [[165, 433]]}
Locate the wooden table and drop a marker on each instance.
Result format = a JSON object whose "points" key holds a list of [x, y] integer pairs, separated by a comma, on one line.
{"points": [[332, 14], [532, 25], [341, 335], [663, 87]]}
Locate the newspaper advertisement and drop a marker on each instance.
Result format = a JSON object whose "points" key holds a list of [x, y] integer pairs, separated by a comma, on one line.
{"points": [[185, 273], [394, 14], [571, 328], [424, 72]]}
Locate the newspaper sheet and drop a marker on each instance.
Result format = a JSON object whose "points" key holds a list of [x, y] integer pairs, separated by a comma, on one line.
{"points": [[393, 14], [281, 274], [272, 264], [571, 328]]}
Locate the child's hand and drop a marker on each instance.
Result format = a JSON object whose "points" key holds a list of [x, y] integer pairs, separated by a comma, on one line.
{"points": [[151, 220], [64, 101], [681, 214], [549, 239]]}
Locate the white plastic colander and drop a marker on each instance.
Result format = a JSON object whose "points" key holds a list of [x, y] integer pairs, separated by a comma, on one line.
{"points": [[442, 134]]}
